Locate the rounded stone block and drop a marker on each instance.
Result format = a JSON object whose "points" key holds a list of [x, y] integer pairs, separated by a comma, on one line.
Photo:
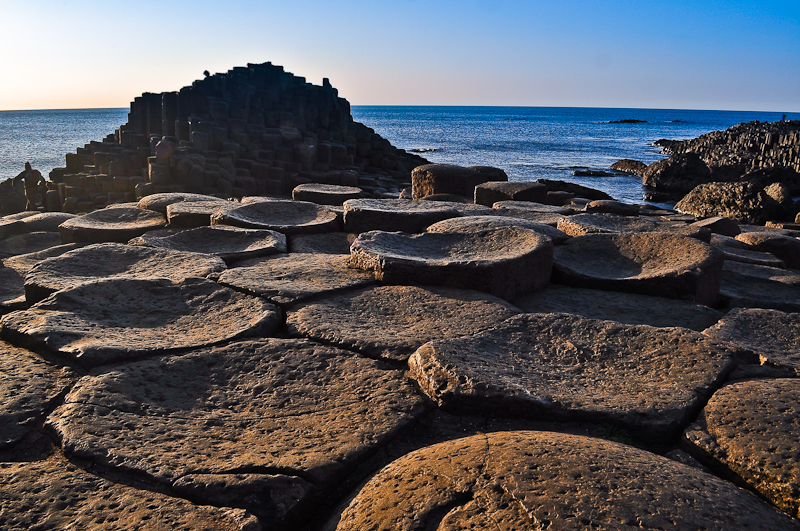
{"points": [[120, 318], [103, 260], [492, 192], [610, 206], [478, 223], [627, 308], [31, 242], [287, 217], [325, 194], [229, 243], [751, 428], [515, 480], [294, 408], [595, 223], [110, 225], [505, 262], [55, 494], [657, 264], [28, 387], [431, 179], [787, 248], [288, 279], [651, 381], [391, 322], [160, 202], [362, 215], [191, 214], [771, 334], [46, 221], [22, 263]]}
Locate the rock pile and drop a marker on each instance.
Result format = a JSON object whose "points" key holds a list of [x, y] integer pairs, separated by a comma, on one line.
{"points": [[255, 130], [407, 364]]}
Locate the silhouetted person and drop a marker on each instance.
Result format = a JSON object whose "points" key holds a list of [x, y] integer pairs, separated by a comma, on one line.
{"points": [[32, 179]]}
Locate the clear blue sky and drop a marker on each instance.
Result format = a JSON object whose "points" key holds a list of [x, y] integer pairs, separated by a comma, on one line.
{"points": [[739, 55]]}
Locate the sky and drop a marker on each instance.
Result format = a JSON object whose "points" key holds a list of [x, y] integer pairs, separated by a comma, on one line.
{"points": [[709, 54]]}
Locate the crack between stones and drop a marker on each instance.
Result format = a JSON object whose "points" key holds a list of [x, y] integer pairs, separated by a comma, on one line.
{"points": [[254, 469]]}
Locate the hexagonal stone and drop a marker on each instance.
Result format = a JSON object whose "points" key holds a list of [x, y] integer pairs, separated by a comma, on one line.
{"points": [[229, 243], [752, 428], [430, 179], [326, 243], [772, 334], [659, 264], [55, 494], [505, 262], [362, 215], [45, 221], [477, 223], [287, 279], [516, 480], [191, 214], [650, 380], [530, 206], [754, 286], [325, 194], [29, 386], [787, 248], [596, 223], [120, 318], [30, 242], [287, 217], [103, 260], [160, 202], [628, 308], [110, 225], [23, 263], [291, 408], [391, 322]]}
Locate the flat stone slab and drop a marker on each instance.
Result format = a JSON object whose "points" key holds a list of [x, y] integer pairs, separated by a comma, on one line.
{"points": [[325, 194], [12, 288], [160, 202], [754, 286], [292, 408], [30, 242], [55, 494], [121, 318], [505, 262], [23, 263], [226, 242], [478, 223], [650, 380], [787, 248], [45, 221], [720, 225], [750, 257], [362, 215], [515, 480], [29, 386], [191, 214], [287, 279], [495, 191], [627, 308], [326, 243], [752, 429], [391, 322], [287, 217], [598, 223], [531, 206], [110, 225], [657, 264], [611, 206], [772, 334], [103, 260]]}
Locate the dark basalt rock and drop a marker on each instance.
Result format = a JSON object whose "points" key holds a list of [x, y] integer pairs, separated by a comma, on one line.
{"points": [[287, 217], [577, 189], [325, 194], [739, 201], [31, 242], [505, 262], [537, 480], [160, 202], [490, 193], [432, 179], [678, 173], [362, 215], [634, 167], [787, 248]]}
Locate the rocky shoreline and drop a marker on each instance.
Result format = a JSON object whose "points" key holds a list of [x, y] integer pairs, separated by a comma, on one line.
{"points": [[483, 354]]}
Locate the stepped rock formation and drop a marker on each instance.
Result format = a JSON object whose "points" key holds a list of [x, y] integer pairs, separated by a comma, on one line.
{"points": [[255, 130]]}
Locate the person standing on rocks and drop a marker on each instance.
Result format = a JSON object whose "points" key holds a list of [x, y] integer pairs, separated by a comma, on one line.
{"points": [[32, 179]]}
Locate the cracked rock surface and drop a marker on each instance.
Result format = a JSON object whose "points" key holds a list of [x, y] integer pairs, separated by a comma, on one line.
{"points": [[540, 480], [287, 217], [391, 322], [110, 225], [229, 243], [648, 380], [752, 429], [119, 318]]}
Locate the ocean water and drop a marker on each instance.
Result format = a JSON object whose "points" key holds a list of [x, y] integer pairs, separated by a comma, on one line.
{"points": [[532, 143], [527, 142]]}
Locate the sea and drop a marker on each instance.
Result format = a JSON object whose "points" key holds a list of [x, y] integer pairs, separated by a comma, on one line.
{"points": [[529, 143]]}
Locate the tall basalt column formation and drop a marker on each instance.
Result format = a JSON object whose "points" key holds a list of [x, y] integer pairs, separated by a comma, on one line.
{"points": [[255, 130]]}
